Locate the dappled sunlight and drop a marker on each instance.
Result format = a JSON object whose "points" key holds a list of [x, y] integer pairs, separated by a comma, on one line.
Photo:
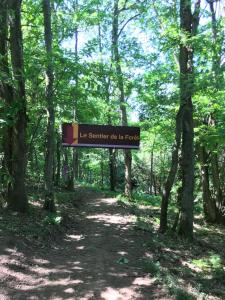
{"points": [[96, 259], [77, 268], [80, 248], [40, 261], [144, 281], [69, 291], [122, 252], [122, 294], [110, 219], [71, 237], [192, 267], [110, 293], [17, 276], [106, 254]]}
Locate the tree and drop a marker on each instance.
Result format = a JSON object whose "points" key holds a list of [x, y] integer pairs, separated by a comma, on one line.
{"points": [[120, 81], [15, 97], [6, 92], [184, 126], [49, 158], [188, 26]]}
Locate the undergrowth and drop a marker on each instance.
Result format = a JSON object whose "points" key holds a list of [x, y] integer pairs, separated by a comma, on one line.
{"points": [[188, 270]]}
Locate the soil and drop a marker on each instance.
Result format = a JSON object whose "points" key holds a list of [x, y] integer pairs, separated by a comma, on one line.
{"points": [[97, 258]]}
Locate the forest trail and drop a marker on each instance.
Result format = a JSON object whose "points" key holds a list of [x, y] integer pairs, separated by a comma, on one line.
{"points": [[98, 258]]}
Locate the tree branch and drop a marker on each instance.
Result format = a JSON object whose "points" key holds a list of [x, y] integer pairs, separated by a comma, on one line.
{"points": [[196, 17], [124, 25], [124, 6]]}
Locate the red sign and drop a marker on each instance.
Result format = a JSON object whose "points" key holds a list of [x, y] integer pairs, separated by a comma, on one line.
{"points": [[102, 136]]}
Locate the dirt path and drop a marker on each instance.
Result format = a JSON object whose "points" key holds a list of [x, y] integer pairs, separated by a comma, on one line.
{"points": [[97, 259]]}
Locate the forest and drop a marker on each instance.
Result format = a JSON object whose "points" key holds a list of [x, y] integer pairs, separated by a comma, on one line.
{"points": [[109, 223]]}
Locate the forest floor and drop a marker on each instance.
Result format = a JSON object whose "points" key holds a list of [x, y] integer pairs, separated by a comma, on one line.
{"points": [[97, 247]]}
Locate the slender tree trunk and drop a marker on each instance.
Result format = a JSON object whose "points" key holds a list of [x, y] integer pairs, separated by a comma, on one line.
{"points": [[172, 174], [6, 91], [151, 169], [65, 168], [102, 171], [217, 49], [155, 185], [188, 24], [217, 71], [49, 156], [220, 202], [120, 81], [208, 203], [106, 82], [112, 168], [74, 174], [184, 128], [187, 160], [58, 161], [17, 197]]}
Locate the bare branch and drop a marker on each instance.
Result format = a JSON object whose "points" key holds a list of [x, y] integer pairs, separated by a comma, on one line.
{"points": [[124, 25]]}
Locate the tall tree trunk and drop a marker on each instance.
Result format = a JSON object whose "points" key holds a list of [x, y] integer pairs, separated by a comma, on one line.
{"points": [[6, 91], [184, 128], [17, 197], [187, 151], [49, 156], [172, 173], [75, 115], [188, 25], [106, 83], [209, 206], [120, 82], [217, 49], [219, 84]]}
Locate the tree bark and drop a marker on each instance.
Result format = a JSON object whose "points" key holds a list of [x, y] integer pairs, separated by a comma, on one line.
{"points": [[209, 206], [172, 174], [75, 114], [218, 83], [220, 203], [49, 155], [184, 128], [58, 161], [151, 169], [187, 160], [120, 82], [112, 169], [6, 91], [17, 197], [106, 83]]}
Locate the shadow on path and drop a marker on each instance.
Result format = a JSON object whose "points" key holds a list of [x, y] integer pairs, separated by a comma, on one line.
{"points": [[97, 259]]}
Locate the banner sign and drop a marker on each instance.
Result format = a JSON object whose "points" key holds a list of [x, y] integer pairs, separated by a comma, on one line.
{"points": [[100, 136]]}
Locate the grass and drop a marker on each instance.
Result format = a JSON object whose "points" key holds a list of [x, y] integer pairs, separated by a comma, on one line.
{"points": [[188, 270]]}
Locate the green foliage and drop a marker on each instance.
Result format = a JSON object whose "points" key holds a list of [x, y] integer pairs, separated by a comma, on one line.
{"points": [[210, 263], [183, 295], [151, 267], [122, 260], [146, 199], [52, 219]]}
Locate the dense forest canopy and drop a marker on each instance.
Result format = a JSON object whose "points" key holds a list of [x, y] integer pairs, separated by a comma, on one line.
{"points": [[154, 64], [110, 223]]}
